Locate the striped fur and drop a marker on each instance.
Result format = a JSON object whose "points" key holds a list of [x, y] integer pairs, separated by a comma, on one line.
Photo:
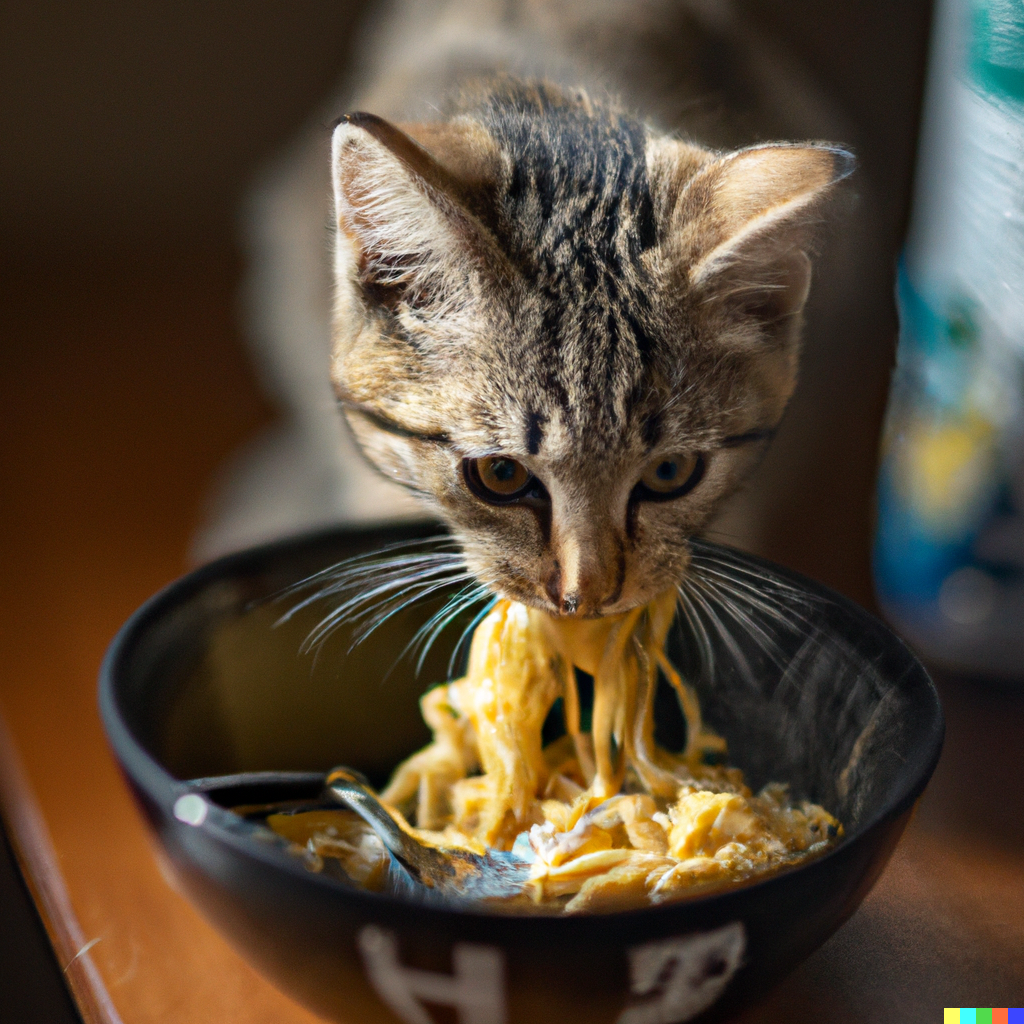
{"points": [[541, 275]]}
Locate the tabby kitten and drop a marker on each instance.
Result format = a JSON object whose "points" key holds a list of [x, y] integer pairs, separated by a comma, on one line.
{"points": [[569, 335]]}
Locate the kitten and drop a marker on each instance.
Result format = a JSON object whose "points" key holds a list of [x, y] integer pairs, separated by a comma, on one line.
{"points": [[682, 63], [568, 334]]}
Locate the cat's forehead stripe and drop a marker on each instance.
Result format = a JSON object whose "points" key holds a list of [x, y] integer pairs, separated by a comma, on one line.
{"points": [[652, 430], [577, 216], [576, 165], [534, 432]]}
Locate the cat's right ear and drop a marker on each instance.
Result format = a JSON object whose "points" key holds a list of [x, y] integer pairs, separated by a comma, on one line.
{"points": [[737, 227], [405, 221]]}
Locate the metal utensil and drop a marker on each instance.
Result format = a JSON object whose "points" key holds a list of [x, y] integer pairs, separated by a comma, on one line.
{"points": [[418, 870], [447, 871]]}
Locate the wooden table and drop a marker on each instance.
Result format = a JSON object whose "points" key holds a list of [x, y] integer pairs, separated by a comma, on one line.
{"points": [[120, 396]]}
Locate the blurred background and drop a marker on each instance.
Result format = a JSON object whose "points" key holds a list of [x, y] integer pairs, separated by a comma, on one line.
{"points": [[130, 132]]}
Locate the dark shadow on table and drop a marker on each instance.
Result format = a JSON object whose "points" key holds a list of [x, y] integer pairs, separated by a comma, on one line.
{"points": [[32, 984]]}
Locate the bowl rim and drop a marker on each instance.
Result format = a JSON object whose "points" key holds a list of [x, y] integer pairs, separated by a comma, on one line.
{"points": [[144, 773]]}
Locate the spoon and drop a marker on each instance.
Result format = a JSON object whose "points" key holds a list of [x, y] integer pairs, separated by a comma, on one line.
{"points": [[418, 870], [448, 871]]}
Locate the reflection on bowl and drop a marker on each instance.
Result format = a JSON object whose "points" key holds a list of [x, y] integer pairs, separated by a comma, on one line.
{"points": [[201, 682]]}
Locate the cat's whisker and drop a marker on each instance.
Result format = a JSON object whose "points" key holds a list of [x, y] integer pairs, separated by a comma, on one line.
{"points": [[460, 603], [387, 554], [712, 572], [381, 605], [396, 565], [737, 655], [365, 602], [374, 588], [698, 630], [763, 587], [467, 633], [706, 558], [389, 567], [784, 609], [381, 575], [774, 621], [740, 602], [345, 575], [768, 643], [725, 634], [421, 634], [732, 590], [397, 606]]}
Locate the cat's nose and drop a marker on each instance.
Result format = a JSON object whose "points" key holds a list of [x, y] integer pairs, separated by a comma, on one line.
{"points": [[566, 602], [584, 577]]}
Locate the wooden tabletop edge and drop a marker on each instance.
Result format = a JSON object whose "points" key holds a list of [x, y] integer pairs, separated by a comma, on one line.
{"points": [[37, 859]]}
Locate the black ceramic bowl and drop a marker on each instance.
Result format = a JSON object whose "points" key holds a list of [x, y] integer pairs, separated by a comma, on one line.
{"points": [[201, 683]]}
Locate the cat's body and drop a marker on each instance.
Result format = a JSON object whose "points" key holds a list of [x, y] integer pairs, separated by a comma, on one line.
{"points": [[528, 271]]}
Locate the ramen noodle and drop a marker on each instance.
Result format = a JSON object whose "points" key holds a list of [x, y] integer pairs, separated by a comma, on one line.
{"points": [[606, 817]]}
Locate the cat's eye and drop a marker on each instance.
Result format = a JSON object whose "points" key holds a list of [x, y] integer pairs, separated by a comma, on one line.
{"points": [[499, 480], [670, 476]]}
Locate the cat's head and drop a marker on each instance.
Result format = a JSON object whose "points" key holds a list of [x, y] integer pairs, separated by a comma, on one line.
{"points": [[571, 335]]}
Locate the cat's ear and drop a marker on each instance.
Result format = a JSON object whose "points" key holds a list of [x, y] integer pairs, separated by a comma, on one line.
{"points": [[740, 225], [409, 219]]}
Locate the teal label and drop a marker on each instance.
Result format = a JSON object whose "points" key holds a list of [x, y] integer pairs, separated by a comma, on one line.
{"points": [[997, 47]]}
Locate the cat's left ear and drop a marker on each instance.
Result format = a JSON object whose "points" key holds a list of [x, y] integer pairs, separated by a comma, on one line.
{"points": [[410, 220], [739, 226]]}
